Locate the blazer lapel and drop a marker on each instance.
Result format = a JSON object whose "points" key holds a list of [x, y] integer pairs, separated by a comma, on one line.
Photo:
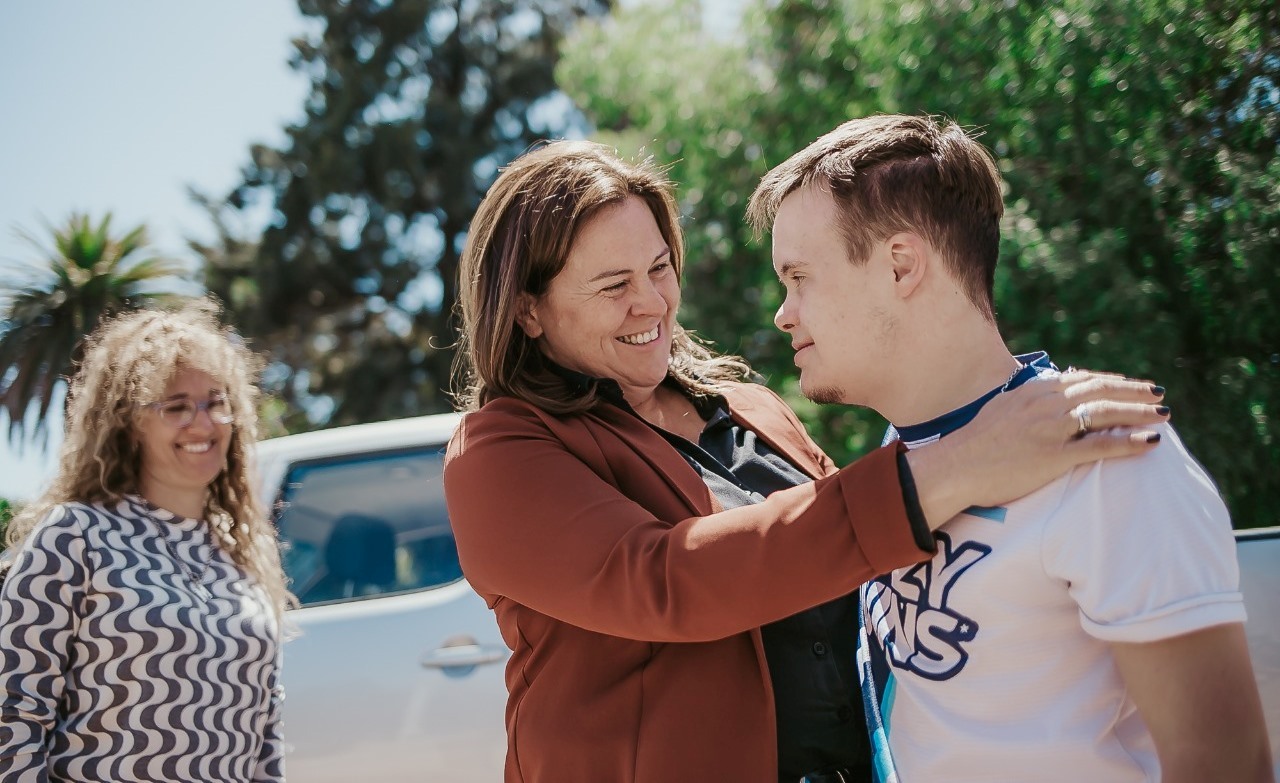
{"points": [[666, 461], [775, 429]]}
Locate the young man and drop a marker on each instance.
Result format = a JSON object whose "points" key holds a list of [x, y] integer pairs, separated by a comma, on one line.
{"points": [[1091, 631]]}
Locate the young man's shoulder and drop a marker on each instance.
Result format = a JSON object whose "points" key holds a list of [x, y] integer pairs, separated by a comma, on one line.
{"points": [[1167, 471], [1145, 546]]}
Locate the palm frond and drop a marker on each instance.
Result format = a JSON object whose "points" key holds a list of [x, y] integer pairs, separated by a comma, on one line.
{"points": [[152, 269], [51, 307], [132, 242]]}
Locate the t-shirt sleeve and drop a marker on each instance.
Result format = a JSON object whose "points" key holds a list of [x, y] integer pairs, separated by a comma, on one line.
{"points": [[1145, 547]]}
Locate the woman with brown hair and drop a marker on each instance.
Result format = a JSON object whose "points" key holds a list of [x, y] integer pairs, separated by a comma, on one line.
{"points": [[140, 620], [669, 556]]}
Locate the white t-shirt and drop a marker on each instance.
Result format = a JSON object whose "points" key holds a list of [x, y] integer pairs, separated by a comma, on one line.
{"points": [[1001, 669]]}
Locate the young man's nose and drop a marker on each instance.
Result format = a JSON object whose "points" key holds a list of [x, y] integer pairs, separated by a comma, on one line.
{"points": [[783, 318]]}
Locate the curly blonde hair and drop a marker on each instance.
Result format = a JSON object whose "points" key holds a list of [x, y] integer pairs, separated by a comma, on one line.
{"points": [[128, 361]]}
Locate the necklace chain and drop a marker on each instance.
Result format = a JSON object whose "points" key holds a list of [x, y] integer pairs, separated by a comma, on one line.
{"points": [[196, 580], [1012, 375]]}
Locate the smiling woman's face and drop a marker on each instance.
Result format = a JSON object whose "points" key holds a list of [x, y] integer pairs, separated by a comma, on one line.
{"points": [[610, 311], [183, 460]]}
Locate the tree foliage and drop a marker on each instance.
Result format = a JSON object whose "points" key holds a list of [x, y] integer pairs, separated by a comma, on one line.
{"points": [[413, 107], [7, 511], [50, 305], [1138, 140]]}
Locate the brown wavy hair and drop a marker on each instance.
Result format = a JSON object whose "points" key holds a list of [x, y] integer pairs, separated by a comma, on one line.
{"points": [[128, 361], [519, 241]]}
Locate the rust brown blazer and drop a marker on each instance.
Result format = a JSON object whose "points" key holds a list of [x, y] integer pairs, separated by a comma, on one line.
{"points": [[632, 614]]}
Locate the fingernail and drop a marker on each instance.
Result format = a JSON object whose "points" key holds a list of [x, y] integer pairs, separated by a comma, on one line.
{"points": [[1153, 437], [1163, 410], [1157, 391]]}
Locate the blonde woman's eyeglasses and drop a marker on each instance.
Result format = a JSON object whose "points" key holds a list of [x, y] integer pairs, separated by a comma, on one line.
{"points": [[180, 413]]}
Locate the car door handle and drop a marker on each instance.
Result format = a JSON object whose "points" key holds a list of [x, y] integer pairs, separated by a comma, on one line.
{"points": [[460, 656]]}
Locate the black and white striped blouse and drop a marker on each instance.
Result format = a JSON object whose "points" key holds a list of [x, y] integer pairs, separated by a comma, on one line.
{"points": [[135, 649]]}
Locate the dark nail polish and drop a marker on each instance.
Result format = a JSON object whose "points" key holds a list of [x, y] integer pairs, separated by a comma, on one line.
{"points": [[1153, 437], [1157, 391], [1163, 410]]}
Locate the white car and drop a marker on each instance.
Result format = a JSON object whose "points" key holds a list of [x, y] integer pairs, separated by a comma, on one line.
{"points": [[398, 672]]}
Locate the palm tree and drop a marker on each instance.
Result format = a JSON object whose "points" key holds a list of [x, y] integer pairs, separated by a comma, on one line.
{"points": [[49, 307]]}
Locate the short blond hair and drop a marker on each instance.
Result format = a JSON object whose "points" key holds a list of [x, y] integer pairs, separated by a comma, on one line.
{"points": [[891, 172]]}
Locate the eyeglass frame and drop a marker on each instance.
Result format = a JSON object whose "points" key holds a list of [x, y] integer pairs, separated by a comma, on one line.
{"points": [[196, 407]]}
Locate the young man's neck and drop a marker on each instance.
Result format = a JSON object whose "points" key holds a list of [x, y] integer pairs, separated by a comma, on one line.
{"points": [[950, 366]]}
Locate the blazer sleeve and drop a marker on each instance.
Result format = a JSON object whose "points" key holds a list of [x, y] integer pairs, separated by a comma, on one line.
{"points": [[536, 525]]}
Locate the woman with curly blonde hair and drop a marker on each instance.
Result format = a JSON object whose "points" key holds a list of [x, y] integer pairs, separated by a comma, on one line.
{"points": [[140, 620]]}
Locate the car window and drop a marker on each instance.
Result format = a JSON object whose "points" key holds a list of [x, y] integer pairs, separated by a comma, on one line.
{"points": [[358, 526]]}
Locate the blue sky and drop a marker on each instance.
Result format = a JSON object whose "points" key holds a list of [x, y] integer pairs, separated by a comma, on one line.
{"points": [[119, 107]]}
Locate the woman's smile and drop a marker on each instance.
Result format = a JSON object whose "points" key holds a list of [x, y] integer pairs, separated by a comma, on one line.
{"points": [[643, 338]]}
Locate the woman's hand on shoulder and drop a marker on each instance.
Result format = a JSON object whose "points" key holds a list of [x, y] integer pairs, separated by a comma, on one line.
{"points": [[1030, 436]]}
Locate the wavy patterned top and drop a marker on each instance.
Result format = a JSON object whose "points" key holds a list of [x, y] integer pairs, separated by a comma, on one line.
{"points": [[135, 649]]}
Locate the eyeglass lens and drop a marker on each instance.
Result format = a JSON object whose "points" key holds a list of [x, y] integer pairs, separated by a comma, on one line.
{"points": [[181, 413]]}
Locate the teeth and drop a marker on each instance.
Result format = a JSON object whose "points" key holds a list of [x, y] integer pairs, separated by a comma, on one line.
{"points": [[196, 448], [642, 338]]}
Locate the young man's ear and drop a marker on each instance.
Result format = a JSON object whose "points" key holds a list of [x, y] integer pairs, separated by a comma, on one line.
{"points": [[909, 258], [527, 314]]}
